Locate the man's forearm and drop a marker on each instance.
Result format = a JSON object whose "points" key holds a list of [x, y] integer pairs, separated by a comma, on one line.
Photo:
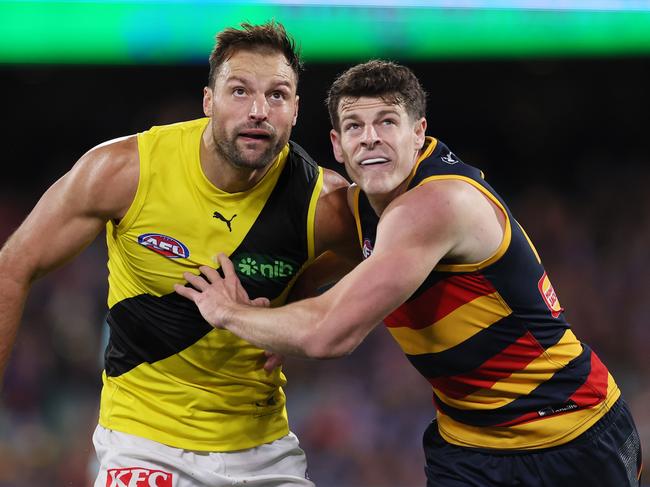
{"points": [[284, 330], [12, 302]]}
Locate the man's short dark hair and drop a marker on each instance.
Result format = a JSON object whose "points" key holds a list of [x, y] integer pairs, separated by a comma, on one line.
{"points": [[389, 81], [270, 35]]}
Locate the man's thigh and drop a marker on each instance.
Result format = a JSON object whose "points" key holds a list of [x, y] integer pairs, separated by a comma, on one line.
{"points": [[607, 455], [130, 461]]}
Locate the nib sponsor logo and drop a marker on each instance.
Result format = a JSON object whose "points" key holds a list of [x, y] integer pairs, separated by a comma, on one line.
{"points": [[258, 266], [138, 477]]}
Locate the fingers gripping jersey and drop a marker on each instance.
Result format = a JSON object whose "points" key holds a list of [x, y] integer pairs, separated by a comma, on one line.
{"points": [[491, 337], [169, 376]]}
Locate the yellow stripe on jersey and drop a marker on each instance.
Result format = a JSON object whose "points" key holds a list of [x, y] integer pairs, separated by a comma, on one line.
{"points": [[355, 209], [311, 213], [476, 315], [553, 431], [520, 383], [430, 143]]}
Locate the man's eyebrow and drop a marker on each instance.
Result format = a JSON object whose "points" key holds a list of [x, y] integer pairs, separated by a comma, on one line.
{"points": [[381, 113], [388, 111], [244, 81], [235, 78]]}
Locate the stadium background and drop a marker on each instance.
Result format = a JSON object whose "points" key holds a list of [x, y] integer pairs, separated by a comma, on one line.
{"points": [[553, 104]]}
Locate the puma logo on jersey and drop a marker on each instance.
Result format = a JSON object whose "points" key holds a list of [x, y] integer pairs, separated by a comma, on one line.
{"points": [[219, 216]]}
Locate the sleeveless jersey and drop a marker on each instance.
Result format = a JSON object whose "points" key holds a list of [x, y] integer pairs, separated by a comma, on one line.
{"points": [[169, 376], [491, 337]]}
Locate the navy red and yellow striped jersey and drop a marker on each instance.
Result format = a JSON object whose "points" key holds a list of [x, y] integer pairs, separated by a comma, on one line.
{"points": [[491, 337]]}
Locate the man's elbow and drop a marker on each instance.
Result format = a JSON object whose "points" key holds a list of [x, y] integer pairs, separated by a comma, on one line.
{"points": [[323, 347]]}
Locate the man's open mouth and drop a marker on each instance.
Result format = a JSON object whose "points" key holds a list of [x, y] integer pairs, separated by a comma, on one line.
{"points": [[373, 160], [255, 134]]}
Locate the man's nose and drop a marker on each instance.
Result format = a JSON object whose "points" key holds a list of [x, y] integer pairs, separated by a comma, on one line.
{"points": [[370, 137], [259, 110]]}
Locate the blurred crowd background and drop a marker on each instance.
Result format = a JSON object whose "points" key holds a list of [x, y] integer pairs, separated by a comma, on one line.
{"points": [[564, 142]]}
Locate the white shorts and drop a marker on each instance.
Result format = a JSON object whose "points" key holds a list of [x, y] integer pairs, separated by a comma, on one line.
{"points": [[130, 461]]}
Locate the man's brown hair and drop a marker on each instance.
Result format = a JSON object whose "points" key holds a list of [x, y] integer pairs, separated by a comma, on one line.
{"points": [[270, 35], [389, 81]]}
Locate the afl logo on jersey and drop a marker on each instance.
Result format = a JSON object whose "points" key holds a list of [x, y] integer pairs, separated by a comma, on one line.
{"points": [[367, 248], [164, 245], [548, 294]]}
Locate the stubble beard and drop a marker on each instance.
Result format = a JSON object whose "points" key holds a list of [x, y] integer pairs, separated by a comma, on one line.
{"points": [[226, 147]]}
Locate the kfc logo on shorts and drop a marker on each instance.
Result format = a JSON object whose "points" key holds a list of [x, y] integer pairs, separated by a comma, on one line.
{"points": [[138, 477], [548, 294]]}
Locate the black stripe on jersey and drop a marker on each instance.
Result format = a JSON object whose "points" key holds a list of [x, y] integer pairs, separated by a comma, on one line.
{"points": [[146, 328], [557, 390], [280, 230], [470, 354]]}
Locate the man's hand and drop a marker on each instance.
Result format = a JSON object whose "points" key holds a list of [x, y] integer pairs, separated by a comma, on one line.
{"points": [[217, 298], [273, 361]]}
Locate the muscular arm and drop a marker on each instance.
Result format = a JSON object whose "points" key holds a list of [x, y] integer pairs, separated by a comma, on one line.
{"points": [[68, 217], [335, 239], [441, 219]]}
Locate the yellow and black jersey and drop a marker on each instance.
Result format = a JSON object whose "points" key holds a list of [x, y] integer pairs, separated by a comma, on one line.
{"points": [[491, 337], [169, 376]]}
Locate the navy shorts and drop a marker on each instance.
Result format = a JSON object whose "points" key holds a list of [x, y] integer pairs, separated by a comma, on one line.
{"points": [[607, 455]]}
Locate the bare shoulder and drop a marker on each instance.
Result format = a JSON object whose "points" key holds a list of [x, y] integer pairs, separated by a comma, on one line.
{"points": [[106, 177], [447, 199], [332, 181], [352, 192], [450, 214], [334, 225]]}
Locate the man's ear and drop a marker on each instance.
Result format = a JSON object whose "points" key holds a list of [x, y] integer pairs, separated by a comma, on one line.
{"points": [[295, 114], [420, 132], [207, 101], [335, 138]]}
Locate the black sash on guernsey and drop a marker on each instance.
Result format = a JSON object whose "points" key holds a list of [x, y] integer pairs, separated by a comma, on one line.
{"points": [[147, 328]]}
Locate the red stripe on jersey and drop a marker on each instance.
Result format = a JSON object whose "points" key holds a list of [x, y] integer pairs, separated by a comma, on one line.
{"points": [[524, 418], [512, 359], [594, 390], [439, 300]]}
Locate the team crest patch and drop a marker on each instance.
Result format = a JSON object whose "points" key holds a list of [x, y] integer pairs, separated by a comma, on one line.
{"points": [[548, 294], [164, 245], [367, 248], [450, 158], [138, 477]]}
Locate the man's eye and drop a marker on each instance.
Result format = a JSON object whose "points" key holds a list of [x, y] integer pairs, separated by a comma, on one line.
{"points": [[239, 91]]}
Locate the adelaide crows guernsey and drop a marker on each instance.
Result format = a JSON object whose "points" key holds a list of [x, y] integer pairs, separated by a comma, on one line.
{"points": [[169, 376], [491, 337]]}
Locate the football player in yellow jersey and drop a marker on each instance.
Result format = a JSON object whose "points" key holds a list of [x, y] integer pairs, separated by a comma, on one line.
{"points": [[183, 404], [520, 400]]}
